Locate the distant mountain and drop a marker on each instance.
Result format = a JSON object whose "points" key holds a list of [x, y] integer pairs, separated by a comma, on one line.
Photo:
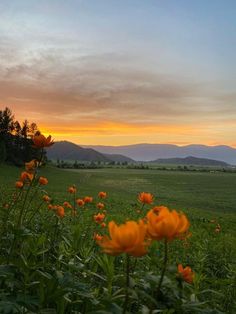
{"points": [[65, 150], [147, 152], [190, 160]]}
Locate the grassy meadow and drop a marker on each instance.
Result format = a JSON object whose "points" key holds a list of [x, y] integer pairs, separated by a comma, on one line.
{"points": [[70, 274]]}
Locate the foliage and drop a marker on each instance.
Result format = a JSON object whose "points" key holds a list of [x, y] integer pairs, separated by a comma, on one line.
{"points": [[50, 262]]}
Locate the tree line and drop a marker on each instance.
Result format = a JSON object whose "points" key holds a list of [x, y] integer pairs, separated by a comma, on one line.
{"points": [[16, 139]]}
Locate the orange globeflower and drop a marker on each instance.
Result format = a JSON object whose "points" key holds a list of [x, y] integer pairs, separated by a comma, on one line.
{"points": [[19, 184], [99, 217], [26, 176], [31, 165], [126, 238], [43, 181], [60, 211], [100, 205], [145, 198], [40, 141], [103, 224], [50, 206], [165, 224], [186, 273], [72, 189], [80, 202], [97, 237], [102, 194], [88, 199], [67, 205], [46, 198]]}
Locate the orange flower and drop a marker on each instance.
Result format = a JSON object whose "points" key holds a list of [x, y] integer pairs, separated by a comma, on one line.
{"points": [[145, 198], [186, 273], [166, 224], [102, 194], [26, 176], [31, 165], [88, 199], [19, 184], [43, 181], [80, 202], [60, 211], [72, 189], [100, 205], [99, 217], [40, 141], [46, 198], [97, 237], [67, 205], [50, 206], [127, 238], [103, 225]]}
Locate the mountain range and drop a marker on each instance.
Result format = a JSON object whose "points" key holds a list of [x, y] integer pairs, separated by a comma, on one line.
{"points": [[147, 152], [142, 152]]}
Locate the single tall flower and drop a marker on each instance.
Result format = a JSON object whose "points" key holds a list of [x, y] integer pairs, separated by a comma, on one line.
{"points": [[186, 273], [145, 198], [40, 141], [126, 238], [165, 224]]}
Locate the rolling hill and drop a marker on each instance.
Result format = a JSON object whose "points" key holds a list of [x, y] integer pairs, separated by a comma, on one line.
{"points": [[148, 152], [190, 160]]}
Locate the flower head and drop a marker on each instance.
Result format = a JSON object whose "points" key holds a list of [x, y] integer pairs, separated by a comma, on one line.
{"points": [[186, 273], [26, 176], [40, 141], [46, 198], [97, 237], [165, 224], [80, 202], [145, 198], [102, 194], [19, 184], [67, 205], [88, 199], [126, 238], [72, 189], [43, 181], [60, 211], [99, 217], [100, 205], [31, 165]]}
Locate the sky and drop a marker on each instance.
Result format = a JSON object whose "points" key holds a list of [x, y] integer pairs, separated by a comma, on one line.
{"points": [[118, 72]]}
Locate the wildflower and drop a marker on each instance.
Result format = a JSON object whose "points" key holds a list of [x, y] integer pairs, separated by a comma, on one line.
{"points": [[19, 184], [26, 176], [103, 225], [145, 198], [67, 205], [80, 202], [126, 238], [72, 189], [60, 211], [102, 194], [31, 165], [186, 273], [40, 141], [97, 237], [50, 206], [100, 206], [43, 181], [166, 224], [46, 198], [88, 199], [99, 217]]}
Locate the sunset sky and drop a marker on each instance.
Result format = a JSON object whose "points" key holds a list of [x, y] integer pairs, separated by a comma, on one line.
{"points": [[119, 72]]}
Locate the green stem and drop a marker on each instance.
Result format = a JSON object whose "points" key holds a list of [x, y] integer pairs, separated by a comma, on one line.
{"points": [[164, 265], [127, 284]]}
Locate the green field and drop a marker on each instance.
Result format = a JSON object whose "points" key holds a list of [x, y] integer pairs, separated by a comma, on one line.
{"points": [[202, 196]]}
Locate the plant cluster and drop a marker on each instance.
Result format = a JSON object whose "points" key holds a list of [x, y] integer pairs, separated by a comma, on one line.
{"points": [[72, 257]]}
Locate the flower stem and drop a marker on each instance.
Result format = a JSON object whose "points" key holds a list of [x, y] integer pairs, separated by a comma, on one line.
{"points": [[164, 266], [127, 284]]}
